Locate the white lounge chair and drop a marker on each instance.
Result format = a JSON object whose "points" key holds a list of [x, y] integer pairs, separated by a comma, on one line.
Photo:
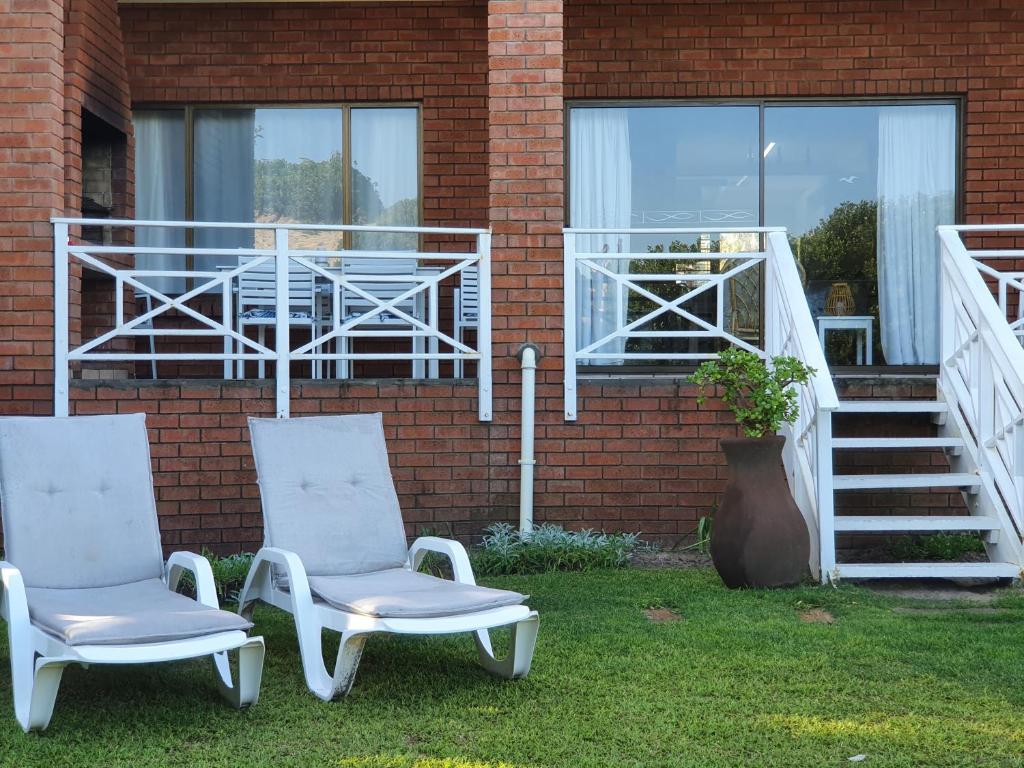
{"points": [[336, 555], [85, 581]]}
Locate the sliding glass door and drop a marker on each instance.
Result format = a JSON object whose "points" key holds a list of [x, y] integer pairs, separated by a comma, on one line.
{"points": [[290, 165], [860, 188]]}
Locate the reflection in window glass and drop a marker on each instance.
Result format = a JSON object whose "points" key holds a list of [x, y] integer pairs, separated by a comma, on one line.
{"points": [[860, 190], [663, 167], [385, 178]]}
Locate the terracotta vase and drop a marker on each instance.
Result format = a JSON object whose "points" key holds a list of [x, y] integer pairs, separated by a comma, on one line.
{"points": [[759, 538]]}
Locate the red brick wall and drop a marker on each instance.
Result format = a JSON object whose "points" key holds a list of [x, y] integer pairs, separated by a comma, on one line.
{"points": [[640, 458], [95, 79], [821, 48], [31, 191]]}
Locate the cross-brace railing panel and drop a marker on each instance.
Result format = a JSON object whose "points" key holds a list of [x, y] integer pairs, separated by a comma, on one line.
{"points": [[398, 293]]}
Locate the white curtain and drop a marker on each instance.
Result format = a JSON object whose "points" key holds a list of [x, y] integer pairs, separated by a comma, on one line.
{"points": [[224, 169], [385, 185], [916, 183], [600, 196], [160, 192]]}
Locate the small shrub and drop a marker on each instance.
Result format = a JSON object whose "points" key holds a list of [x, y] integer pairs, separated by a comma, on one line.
{"points": [[937, 546], [505, 550], [760, 397], [228, 574]]}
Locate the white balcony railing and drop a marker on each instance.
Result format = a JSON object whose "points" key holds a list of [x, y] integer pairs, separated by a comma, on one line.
{"points": [[336, 296], [981, 373], [747, 293]]}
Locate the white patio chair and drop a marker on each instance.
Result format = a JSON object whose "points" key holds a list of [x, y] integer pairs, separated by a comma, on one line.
{"points": [[257, 305], [336, 557], [85, 581], [467, 310], [366, 273]]}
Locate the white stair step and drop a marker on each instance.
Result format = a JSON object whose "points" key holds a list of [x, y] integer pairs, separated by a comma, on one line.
{"points": [[928, 570], [892, 406], [921, 480], [894, 523], [897, 442]]}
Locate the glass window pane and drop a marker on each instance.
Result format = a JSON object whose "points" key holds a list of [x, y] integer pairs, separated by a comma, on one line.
{"points": [[160, 190], [385, 174], [267, 165], [861, 189], [222, 178], [663, 167]]}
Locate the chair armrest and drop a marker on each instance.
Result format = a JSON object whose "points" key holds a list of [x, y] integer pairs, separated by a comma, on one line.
{"points": [[462, 570], [259, 582], [13, 601], [202, 573]]}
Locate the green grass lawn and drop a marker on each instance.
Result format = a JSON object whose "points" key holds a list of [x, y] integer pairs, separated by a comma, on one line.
{"points": [[739, 681]]}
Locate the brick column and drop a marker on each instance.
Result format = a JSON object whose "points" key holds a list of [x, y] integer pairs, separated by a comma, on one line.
{"points": [[31, 191], [526, 149]]}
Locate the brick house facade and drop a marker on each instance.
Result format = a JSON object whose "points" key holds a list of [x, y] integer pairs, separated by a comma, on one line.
{"points": [[492, 79]]}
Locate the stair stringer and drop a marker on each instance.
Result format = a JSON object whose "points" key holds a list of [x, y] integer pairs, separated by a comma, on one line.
{"points": [[1002, 546]]}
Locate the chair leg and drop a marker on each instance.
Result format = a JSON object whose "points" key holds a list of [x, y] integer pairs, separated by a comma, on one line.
{"points": [[250, 674], [35, 690], [517, 664]]}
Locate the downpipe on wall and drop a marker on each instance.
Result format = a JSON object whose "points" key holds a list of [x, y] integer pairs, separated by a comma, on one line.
{"points": [[528, 356]]}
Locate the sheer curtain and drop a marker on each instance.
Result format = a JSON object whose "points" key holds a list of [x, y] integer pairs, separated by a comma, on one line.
{"points": [[160, 192], [385, 174], [600, 196], [224, 179], [916, 183]]}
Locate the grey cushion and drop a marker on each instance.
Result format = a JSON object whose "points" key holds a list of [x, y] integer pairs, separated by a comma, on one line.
{"points": [[77, 500], [327, 492], [402, 594], [141, 612]]}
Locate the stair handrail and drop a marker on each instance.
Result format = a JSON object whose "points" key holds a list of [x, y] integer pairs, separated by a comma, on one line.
{"points": [[790, 330], [981, 371]]}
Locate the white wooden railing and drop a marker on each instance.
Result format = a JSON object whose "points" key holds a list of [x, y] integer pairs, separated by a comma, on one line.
{"points": [[790, 330], [126, 266], [981, 375], [787, 329]]}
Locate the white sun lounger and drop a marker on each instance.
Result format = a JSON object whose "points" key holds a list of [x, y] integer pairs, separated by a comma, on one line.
{"points": [[336, 555], [85, 581]]}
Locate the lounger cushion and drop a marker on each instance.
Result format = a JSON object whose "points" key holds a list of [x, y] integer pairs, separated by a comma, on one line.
{"points": [[77, 500], [399, 593], [327, 492], [141, 612]]}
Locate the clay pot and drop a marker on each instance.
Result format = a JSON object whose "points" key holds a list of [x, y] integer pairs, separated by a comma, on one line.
{"points": [[759, 538]]}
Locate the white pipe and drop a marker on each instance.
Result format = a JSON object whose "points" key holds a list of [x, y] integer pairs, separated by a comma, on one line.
{"points": [[528, 358]]}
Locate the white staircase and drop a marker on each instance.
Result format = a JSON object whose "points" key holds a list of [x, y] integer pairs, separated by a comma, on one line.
{"points": [[961, 474], [975, 422]]}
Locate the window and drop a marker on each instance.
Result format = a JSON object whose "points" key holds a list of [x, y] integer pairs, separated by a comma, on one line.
{"points": [[860, 190], [859, 187], [310, 165]]}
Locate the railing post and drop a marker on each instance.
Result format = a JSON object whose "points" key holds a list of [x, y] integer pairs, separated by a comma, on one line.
{"points": [[569, 327], [282, 336], [826, 495], [61, 340], [483, 330]]}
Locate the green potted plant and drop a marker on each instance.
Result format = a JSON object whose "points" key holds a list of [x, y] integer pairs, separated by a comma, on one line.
{"points": [[760, 537]]}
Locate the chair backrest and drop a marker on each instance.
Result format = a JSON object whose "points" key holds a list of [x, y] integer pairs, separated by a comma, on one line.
{"points": [[362, 270], [469, 295], [327, 492], [77, 500], [257, 286]]}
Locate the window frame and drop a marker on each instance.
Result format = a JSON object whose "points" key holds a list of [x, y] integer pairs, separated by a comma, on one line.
{"points": [[957, 101], [189, 110]]}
